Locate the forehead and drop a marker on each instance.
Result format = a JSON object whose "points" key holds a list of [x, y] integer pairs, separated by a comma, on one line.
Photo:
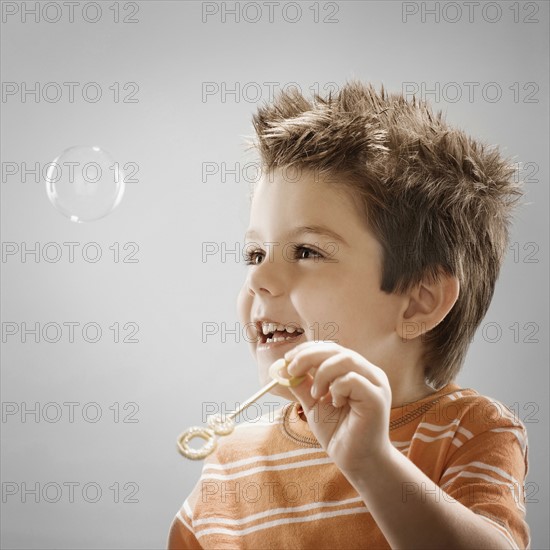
{"points": [[293, 193], [283, 206]]}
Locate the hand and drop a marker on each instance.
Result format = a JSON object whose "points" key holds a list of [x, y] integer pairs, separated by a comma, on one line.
{"points": [[347, 403]]}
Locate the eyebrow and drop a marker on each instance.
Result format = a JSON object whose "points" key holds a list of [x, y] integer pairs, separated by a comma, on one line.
{"points": [[304, 230]]}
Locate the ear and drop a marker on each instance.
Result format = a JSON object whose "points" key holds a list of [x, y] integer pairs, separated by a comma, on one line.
{"points": [[427, 305]]}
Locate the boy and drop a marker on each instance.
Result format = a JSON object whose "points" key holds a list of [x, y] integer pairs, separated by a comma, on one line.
{"points": [[375, 240]]}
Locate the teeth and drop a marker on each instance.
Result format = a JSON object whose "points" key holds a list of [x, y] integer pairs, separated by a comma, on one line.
{"points": [[268, 328], [278, 339]]}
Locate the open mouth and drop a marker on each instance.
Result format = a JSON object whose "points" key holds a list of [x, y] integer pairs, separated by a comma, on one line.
{"points": [[276, 332]]}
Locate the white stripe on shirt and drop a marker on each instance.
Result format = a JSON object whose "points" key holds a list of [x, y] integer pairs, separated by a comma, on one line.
{"points": [[260, 458], [276, 467], [284, 521], [276, 511]]}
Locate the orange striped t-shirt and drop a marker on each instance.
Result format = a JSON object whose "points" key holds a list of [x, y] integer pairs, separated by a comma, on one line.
{"points": [[271, 485]]}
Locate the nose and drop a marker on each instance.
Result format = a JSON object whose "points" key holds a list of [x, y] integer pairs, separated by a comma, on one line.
{"points": [[266, 278]]}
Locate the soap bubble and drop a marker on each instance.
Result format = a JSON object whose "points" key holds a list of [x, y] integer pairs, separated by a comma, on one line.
{"points": [[85, 183]]}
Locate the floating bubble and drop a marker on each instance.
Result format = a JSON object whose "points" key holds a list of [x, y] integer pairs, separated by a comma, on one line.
{"points": [[85, 183]]}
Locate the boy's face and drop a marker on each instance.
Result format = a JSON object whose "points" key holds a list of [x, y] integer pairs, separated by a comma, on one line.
{"points": [[327, 286]]}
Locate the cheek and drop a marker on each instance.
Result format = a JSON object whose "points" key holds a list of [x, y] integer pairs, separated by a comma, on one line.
{"points": [[351, 313], [244, 304], [244, 312], [320, 311]]}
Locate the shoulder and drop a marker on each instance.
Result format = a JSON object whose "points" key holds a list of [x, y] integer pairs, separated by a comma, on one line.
{"points": [[486, 464], [481, 412], [478, 417]]}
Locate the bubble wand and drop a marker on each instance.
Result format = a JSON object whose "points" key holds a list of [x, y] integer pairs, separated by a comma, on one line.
{"points": [[224, 425]]}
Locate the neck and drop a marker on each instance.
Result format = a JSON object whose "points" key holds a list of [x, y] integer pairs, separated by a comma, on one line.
{"points": [[408, 386]]}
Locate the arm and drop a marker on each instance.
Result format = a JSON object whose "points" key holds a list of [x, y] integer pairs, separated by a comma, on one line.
{"points": [[410, 509], [181, 536], [413, 512]]}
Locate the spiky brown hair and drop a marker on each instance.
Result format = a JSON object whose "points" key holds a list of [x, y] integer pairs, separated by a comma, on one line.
{"points": [[436, 199]]}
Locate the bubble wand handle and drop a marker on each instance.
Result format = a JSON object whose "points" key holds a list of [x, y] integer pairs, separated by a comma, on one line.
{"points": [[224, 425], [252, 399]]}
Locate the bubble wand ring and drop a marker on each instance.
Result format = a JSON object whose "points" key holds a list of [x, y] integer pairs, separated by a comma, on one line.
{"points": [[224, 425]]}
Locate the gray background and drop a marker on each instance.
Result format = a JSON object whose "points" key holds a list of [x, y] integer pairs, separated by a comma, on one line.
{"points": [[170, 292]]}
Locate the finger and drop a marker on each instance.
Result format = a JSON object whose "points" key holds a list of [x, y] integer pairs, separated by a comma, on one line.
{"points": [[338, 365], [316, 410], [310, 356], [341, 363], [289, 355], [349, 388], [302, 392], [326, 363]]}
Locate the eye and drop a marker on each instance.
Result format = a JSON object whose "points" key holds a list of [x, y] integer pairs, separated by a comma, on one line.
{"points": [[296, 252], [302, 252], [253, 257]]}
